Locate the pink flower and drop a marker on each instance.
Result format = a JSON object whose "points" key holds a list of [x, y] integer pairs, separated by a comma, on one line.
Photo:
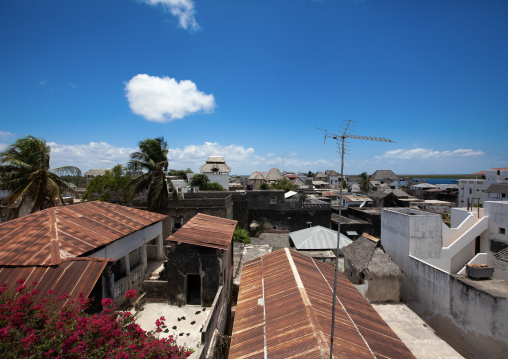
{"points": [[131, 294], [106, 302]]}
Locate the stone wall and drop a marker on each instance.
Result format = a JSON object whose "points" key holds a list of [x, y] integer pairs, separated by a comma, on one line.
{"points": [[207, 264], [270, 210]]}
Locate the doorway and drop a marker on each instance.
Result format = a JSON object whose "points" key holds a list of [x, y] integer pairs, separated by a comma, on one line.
{"points": [[193, 289], [477, 242]]}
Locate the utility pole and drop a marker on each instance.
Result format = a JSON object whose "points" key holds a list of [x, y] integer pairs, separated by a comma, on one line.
{"points": [[341, 139]]}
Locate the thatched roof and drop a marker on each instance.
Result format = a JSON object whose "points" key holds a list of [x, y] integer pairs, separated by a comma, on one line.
{"points": [[497, 188], [274, 175], [95, 172], [384, 174], [215, 164], [367, 258]]}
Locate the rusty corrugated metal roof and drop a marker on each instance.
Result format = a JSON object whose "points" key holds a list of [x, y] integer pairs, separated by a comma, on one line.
{"points": [[73, 276], [44, 237], [284, 311], [207, 231]]}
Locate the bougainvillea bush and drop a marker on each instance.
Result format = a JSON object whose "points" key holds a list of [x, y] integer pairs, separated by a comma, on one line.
{"points": [[46, 329]]}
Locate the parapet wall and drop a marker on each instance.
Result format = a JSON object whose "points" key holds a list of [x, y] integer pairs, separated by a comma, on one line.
{"points": [[470, 319]]}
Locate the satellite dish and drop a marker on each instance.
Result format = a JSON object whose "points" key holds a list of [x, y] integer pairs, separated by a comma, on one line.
{"points": [[363, 204]]}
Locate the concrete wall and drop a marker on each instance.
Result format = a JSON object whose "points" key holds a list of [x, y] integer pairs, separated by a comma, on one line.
{"points": [[470, 320], [498, 218], [123, 246], [382, 289]]}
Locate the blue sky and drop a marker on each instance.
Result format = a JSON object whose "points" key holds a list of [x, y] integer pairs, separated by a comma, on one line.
{"points": [[250, 80]]}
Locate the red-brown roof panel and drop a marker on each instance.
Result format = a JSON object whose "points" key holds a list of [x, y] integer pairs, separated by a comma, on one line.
{"points": [[297, 295], [73, 276], [80, 228], [207, 231]]}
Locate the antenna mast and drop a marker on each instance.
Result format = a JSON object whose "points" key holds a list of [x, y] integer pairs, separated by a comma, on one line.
{"points": [[341, 139]]}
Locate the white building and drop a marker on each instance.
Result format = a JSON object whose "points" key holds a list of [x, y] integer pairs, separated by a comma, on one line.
{"points": [[474, 191], [434, 257], [216, 170]]}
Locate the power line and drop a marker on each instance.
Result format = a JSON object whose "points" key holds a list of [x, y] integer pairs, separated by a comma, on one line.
{"points": [[341, 139]]}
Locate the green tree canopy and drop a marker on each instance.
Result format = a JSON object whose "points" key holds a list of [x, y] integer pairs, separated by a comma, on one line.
{"points": [[182, 174], [241, 235], [284, 184], [203, 183], [263, 186], [25, 172], [363, 181], [200, 180], [214, 186], [152, 160], [114, 186]]}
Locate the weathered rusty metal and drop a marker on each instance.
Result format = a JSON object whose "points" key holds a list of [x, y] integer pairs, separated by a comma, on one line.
{"points": [[207, 231], [283, 311]]}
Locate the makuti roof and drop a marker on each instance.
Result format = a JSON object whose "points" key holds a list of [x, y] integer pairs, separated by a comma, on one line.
{"points": [[216, 159], [384, 174], [367, 258], [95, 172], [46, 237], [72, 277], [318, 237], [207, 231], [258, 176], [274, 175], [215, 164], [284, 311], [497, 188]]}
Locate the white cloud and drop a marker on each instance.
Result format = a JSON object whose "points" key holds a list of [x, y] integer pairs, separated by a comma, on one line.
{"points": [[194, 156], [427, 153], [242, 160], [182, 9], [92, 155], [164, 99], [4, 135]]}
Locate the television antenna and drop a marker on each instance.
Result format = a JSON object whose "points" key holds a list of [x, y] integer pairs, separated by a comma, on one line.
{"points": [[341, 144]]}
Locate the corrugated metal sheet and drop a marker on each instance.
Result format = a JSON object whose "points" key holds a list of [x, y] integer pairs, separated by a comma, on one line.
{"points": [[73, 276], [284, 311], [207, 231], [318, 237], [44, 237]]}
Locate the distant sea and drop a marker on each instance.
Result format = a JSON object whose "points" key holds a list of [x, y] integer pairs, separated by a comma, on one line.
{"points": [[439, 180]]}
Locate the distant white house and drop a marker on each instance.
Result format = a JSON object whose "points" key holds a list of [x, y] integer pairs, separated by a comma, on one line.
{"points": [[474, 191], [216, 170]]}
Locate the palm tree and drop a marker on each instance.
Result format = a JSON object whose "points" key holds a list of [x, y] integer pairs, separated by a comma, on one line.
{"points": [[363, 181], [152, 159], [25, 173]]}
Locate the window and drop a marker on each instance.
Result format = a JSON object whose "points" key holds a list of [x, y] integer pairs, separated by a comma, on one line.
{"points": [[502, 230], [470, 191], [176, 223], [503, 195]]}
